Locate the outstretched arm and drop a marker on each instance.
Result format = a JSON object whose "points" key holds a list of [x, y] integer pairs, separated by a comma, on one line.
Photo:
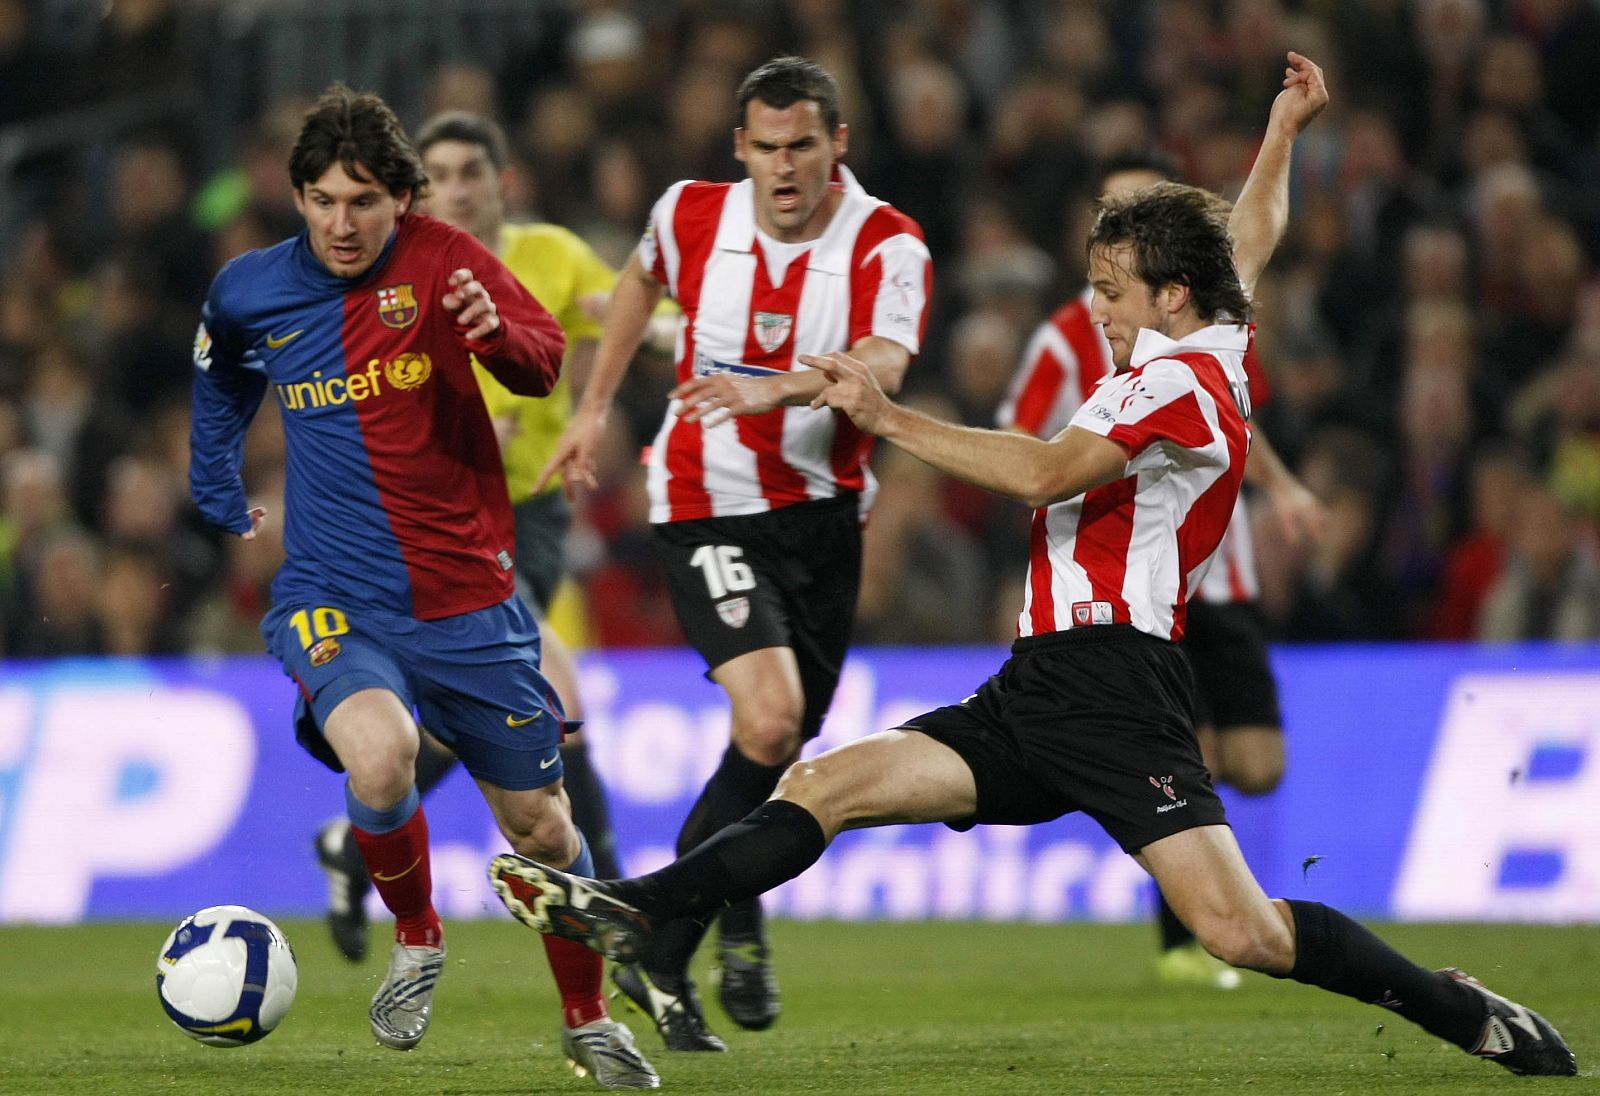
{"points": [[721, 395], [1032, 471], [1262, 211]]}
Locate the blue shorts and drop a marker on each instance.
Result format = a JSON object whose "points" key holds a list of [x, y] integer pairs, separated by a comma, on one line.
{"points": [[473, 680]]}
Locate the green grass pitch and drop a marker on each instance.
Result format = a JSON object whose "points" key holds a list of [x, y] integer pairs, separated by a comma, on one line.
{"points": [[925, 1008]]}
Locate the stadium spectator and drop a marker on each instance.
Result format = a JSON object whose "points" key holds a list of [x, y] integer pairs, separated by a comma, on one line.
{"points": [[396, 591], [759, 518], [465, 158], [1474, 561], [1550, 587], [1092, 710]]}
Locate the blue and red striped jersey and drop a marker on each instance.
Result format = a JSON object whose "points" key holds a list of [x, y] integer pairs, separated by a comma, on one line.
{"points": [[395, 495]]}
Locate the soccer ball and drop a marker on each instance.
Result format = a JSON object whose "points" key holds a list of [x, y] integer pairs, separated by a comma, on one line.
{"points": [[226, 976]]}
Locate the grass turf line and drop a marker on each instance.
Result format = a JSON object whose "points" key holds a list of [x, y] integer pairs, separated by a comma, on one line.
{"points": [[926, 1008]]}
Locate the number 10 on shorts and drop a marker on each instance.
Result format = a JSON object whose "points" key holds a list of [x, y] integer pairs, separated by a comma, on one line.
{"points": [[724, 571]]}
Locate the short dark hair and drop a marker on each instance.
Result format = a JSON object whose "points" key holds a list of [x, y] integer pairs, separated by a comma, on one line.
{"points": [[1151, 160], [469, 129], [784, 81], [1179, 235], [357, 129]]}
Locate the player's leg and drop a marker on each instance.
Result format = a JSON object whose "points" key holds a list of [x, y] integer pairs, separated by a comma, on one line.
{"points": [[590, 810], [542, 523], [375, 737], [340, 858], [894, 777], [354, 715], [725, 577], [504, 721], [763, 687], [1207, 881], [1238, 726]]}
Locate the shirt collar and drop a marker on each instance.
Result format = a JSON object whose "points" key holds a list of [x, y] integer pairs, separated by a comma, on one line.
{"points": [[737, 232], [1227, 337]]}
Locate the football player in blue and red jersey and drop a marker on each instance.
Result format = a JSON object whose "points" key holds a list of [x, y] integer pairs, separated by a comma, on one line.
{"points": [[395, 605]]}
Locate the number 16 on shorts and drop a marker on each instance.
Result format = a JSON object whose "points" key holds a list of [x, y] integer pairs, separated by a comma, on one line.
{"points": [[726, 573]]}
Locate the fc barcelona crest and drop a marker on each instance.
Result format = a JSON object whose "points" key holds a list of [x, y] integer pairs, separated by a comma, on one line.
{"points": [[397, 305], [772, 329]]}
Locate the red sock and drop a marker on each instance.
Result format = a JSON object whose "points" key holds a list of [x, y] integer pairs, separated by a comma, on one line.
{"points": [[398, 864], [577, 971]]}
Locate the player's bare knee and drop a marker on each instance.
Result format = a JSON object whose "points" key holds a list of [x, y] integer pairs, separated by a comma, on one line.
{"points": [[769, 736], [814, 785], [380, 780], [550, 841]]}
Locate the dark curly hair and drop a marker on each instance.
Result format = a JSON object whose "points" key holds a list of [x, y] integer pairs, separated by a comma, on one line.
{"points": [[357, 129], [784, 81], [1179, 236]]}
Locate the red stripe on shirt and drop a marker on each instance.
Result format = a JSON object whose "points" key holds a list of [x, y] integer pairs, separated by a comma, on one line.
{"points": [[694, 229], [1042, 610], [1045, 379], [780, 484], [1105, 529]]}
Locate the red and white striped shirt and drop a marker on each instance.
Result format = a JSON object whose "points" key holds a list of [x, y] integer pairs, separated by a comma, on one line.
{"points": [[1132, 551], [1064, 361], [867, 274]]}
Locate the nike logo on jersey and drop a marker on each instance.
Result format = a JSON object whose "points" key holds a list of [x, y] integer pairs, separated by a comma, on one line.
{"points": [[275, 341], [380, 877], [551, 760], [513, 721]]}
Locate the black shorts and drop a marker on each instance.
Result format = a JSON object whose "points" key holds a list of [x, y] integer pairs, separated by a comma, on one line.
{"points": [[1227, 645], [542, 524], [787, 578], [1097, 720]]}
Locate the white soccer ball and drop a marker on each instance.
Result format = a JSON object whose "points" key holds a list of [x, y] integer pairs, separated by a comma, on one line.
{"points": [[226, 976]]}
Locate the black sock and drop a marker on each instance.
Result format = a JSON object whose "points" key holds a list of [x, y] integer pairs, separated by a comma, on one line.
{"points": [[1335, 953], [738, 787], [590, 812], [777, 842], [742, 919], [432, 766], [1174, 933]]}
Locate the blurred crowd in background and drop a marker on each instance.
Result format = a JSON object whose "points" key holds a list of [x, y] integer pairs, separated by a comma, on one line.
{"points": [[1430, 326]]}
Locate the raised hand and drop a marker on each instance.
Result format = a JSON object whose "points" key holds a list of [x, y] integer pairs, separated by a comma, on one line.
{"points": [[1303, 96], [473, 307]]}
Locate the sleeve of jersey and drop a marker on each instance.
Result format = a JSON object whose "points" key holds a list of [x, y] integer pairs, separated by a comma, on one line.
{"points": [[1159, 402], [1035, 397], [524, 353], [227, 393], [891, 297], [658, 247]]}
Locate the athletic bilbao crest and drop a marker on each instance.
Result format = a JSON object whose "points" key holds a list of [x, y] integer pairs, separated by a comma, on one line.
{"points": [[772, 329], [734, 612], [397, 305]]}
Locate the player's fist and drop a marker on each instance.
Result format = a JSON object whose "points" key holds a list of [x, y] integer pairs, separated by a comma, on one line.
{"points": [[473, 307]]}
